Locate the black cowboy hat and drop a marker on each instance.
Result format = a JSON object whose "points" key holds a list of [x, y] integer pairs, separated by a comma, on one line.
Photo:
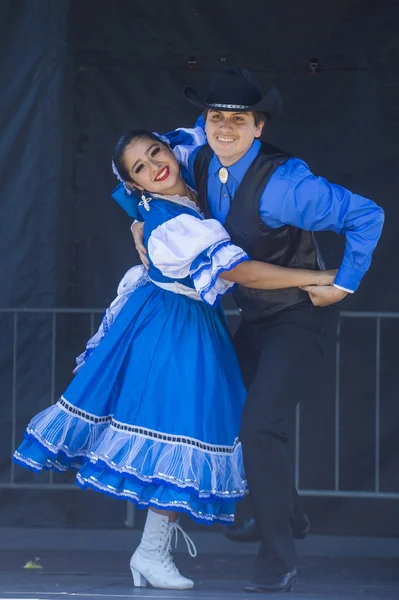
{"points": [[235, 90]]}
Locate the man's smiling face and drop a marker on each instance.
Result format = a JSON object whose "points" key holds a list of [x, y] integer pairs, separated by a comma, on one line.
{"points": [[231, 134]]}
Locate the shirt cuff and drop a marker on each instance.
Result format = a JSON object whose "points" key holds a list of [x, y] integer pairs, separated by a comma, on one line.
{"points": [[348, 279], [343, 289]]}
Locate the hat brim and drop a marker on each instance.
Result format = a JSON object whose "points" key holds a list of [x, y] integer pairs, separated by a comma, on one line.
{"points": [[191, 95], [271, 104]]}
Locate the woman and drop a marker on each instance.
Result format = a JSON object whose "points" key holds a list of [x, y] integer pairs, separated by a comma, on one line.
{"points": [[153, 413]]}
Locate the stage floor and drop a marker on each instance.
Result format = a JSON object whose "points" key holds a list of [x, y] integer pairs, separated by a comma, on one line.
{"points": [[93, 564]]}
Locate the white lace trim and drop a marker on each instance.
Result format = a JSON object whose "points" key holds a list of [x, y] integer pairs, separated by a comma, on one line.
{"points": [[171, 505], [145, 432], [146, 455], [180, 200]]}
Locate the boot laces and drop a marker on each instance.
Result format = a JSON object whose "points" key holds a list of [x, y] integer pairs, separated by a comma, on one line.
{"points": [[166, 551]]}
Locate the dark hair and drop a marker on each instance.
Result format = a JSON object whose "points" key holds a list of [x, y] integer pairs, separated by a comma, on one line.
{"points": [[258, 116], [124, 141]]}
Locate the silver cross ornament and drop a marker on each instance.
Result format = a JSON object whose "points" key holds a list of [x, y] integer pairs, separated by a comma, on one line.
{"points": [[145, 202]]}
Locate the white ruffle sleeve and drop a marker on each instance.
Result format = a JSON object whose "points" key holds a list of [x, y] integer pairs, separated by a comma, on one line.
{"points": [[189, 140], [187, 245]]}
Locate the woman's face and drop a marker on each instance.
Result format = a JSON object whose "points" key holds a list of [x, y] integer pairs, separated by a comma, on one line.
{"points": [[152, 167]]}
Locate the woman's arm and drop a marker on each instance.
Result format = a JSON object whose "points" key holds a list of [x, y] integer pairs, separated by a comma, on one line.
{"points": [[250, 273], [264, 276]]}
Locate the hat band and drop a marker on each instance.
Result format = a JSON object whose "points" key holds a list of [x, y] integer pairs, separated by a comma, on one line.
{"points": [[239, 106]]}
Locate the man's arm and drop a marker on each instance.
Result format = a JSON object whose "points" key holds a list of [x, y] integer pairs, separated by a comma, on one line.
{"points": [[296, 197], [185, 143]]}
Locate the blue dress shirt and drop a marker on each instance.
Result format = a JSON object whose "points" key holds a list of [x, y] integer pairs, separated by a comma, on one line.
{"points": [[294, 196]]}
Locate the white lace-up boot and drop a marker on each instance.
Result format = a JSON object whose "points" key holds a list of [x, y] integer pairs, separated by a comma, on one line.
{"points": [[152, 562]]}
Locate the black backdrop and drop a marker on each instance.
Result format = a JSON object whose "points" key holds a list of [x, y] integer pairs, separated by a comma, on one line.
{"points": [[78, 73]]}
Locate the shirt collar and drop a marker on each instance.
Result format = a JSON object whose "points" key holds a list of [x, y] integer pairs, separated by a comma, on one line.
{"points": [[239, 168]]}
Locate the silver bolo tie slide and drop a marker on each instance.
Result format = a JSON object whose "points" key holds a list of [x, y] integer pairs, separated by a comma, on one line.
{"points": [[223, 175]]}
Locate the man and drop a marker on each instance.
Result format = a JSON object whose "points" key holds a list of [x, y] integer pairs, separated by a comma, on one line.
{"points": [[270, 204]]}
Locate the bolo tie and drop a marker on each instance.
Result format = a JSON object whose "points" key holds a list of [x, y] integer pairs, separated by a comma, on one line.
{"points": [[223, 177]]}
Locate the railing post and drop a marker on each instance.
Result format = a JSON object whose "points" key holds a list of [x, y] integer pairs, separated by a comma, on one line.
{"points": [[14, 392], [91, 325], [53, 355], [337, 406], [377, 402], [130, 515], [52, 376], [297, 443]]}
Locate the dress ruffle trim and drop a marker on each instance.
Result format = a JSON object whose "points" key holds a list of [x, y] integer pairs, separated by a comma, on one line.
{"points": [[147, 467], [205, 270], [144, 496]]}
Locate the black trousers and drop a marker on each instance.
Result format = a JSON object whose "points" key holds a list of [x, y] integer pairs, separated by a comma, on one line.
{"points": [[281, 360]]}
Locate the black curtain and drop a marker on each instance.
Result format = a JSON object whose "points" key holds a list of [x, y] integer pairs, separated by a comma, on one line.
{"points": [[82, 72]]}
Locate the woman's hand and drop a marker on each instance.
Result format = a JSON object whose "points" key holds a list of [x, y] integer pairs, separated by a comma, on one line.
{"points": [[325, 277], [137, 230]]}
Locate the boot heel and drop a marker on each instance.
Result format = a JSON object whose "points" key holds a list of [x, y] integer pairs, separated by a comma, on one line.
{"points": [[138, 579]]}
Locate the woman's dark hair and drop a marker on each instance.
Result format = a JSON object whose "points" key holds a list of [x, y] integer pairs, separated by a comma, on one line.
{"points": [[124, 141], [258, 116]]}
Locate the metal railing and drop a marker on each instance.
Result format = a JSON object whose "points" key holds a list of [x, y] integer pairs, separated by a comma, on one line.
{"points": [[376, 493], [336, 491], [16, 312], [93, 312]]}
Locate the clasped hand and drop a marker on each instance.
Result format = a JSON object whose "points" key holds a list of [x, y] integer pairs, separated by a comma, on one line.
{"points": [[323, 295]]}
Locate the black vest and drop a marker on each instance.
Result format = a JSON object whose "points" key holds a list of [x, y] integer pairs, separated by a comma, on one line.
{"points": [[286, 246]]}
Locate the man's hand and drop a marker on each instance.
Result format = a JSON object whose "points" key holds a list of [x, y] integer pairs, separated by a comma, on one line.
{"points": [[323, 295], [137, 230]]}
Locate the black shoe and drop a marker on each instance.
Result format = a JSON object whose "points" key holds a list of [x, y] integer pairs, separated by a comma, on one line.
{"points": [[250, 532], [247, 532], [272, 584]]}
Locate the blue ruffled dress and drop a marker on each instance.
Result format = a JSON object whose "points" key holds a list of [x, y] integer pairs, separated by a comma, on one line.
{"points": [[153, 413]]}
